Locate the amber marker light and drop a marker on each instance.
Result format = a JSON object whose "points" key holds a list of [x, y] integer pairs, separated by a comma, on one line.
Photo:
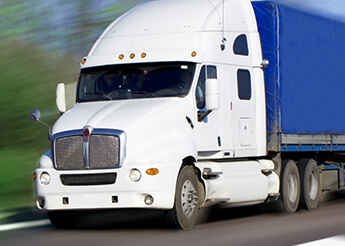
{"points": [[152, 171], [34, 176], [143, 55], [121, 56], [83, 61], [132, 56], [193, 54]]}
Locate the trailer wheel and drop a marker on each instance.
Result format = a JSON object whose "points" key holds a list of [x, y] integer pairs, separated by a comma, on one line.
{"points": [[310, 184], [289, 186], [185, 211]]}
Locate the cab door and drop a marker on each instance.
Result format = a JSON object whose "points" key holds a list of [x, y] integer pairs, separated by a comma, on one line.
{"points": [[246, 107], [208, 127]]}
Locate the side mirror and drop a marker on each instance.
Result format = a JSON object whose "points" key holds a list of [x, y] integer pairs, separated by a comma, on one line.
{"points": [[35, 115], [212, 94], [61, 98]]}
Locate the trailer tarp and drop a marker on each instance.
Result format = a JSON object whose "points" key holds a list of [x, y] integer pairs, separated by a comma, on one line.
{"points": [[305, 80]]}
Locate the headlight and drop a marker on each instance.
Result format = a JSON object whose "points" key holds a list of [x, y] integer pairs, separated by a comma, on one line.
{"points": [[135, 175], [45, 178]]}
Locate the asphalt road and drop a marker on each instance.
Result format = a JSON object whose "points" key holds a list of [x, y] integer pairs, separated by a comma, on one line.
{"points": [[235, 226]]}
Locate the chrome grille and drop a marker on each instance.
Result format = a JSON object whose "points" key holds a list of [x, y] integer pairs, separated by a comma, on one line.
{"points": [[104, 152], [69, 152]]}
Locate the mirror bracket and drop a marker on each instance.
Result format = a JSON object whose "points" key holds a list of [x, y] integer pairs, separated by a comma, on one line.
{"points": [[35, 115], [203, 114]]}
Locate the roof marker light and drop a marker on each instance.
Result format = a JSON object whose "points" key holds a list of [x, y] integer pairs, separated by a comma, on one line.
{"points": [[132, 55], [143, 55], [121, 56], [193, 54]]}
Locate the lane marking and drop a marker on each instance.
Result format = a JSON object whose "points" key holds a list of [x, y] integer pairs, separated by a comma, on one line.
{"points": [[22, 225], [334, 241]]}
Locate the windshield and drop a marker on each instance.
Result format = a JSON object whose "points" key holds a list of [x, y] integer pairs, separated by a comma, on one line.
{"points": [[132, 81]]}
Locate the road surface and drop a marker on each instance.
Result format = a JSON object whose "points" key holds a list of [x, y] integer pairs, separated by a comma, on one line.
{"points": [[234, 226]]}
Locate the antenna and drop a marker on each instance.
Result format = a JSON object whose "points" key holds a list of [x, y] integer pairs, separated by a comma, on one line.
{"points": [[222, 46], [221, 19]]}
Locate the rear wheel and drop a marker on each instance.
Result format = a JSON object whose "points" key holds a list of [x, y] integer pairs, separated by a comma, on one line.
{"points": [[289, 187], [185, 211], [310, 184]]}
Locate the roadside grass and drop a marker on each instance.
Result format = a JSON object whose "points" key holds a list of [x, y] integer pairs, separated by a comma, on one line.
{"points": [[17, 185], [28, 80]]}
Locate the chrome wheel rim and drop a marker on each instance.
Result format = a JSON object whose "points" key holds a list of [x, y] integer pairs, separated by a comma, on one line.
{"points": [[292, 188], [188, 198], [313, 185]]}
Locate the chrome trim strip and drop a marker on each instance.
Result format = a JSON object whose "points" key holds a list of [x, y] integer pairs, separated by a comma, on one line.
{"points": [[86, 154], [305, 139]]}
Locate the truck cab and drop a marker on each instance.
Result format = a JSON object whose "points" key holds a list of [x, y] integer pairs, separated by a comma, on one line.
{"points": [[170, 114]]}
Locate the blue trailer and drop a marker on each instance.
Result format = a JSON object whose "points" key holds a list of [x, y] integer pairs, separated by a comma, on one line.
{"points": [[305, 88], [304, 79]]}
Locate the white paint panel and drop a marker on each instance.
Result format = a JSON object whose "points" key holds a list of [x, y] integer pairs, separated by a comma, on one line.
{"points": [[240, 182], [246, 132]]}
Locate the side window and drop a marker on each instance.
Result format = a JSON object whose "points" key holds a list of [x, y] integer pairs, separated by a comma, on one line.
{"points": [[244, 84], [241, 45], [211, 72]]}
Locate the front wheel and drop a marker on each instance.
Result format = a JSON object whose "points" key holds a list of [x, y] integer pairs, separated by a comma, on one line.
{"points": [[185, 211]]}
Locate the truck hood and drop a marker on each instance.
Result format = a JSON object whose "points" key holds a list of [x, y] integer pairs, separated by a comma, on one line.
{"points": [[154, 127], [120, 115]]}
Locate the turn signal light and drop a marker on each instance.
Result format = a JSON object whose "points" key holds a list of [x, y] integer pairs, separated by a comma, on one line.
{"points": [[152, 171], [83, 61], [34, 176]]}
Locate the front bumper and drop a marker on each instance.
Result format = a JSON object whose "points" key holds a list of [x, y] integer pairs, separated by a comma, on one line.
{"points": [[124, 193]]}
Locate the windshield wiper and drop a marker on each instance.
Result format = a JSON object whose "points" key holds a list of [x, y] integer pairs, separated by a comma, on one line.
{"points": [[145, 93], [103, 95]]}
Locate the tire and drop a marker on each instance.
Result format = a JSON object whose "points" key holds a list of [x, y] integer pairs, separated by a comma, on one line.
{"points": [[63, 219], [310, 184], [289, 187], [185, 211]]}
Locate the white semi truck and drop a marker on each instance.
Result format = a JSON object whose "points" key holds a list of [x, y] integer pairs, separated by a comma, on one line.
{"points": [[173, 113]]}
